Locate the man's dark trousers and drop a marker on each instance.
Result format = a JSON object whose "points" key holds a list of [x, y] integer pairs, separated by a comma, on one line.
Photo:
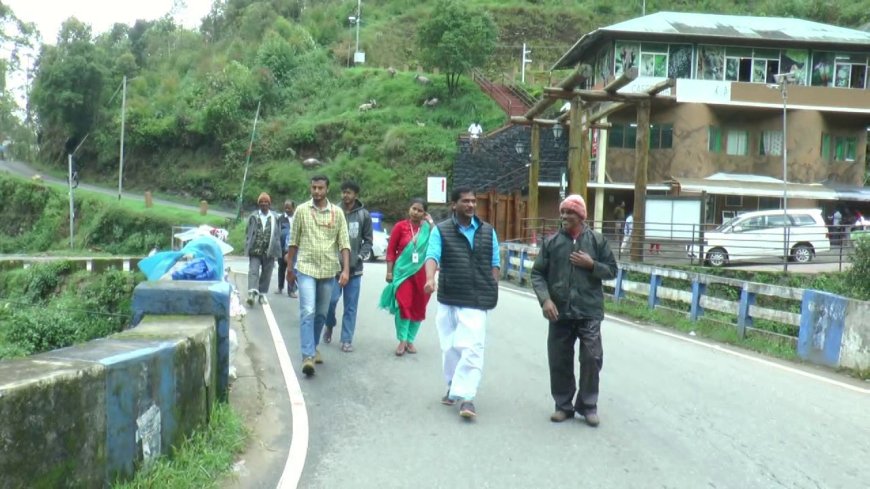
{"points": [[560, 352]]}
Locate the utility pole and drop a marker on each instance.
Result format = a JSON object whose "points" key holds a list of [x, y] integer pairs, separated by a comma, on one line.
{"points": [[248, 162], [72, 215], [358, 7], [121, 157], [526, 61]]}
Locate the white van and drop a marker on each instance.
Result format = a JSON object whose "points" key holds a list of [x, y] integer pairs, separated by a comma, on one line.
{"points": [[762, 234]]}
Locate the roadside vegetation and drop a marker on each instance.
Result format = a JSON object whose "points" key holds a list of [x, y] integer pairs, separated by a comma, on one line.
{"points": [[201, 460], [53, 305]]}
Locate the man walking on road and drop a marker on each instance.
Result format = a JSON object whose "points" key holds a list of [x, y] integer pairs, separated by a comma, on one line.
{"points": [[263, 247], [359, 229], [318, 235], [286, 222], [567, 279], [466, 250]]}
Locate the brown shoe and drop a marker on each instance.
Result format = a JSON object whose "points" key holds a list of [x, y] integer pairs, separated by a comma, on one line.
{"points": [[327, 335], [560, 416], [308, 366], [410, 348], [592, 418], [400, 350], [317, 357]]}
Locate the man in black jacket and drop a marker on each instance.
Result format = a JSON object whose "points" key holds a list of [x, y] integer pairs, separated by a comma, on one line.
{"points": [[466, 250], [567, 279], [359, 229]]}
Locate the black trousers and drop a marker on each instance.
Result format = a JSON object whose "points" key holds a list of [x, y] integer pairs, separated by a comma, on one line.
{"points": [[560, 352], [282, 272]]}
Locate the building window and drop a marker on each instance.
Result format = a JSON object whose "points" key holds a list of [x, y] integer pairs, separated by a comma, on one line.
{"points": [[733, 201], [622, 136], [661, 136], [839, 148], [751, 65], [653, 60], [737, 143], [714, 139], [771, 143]]}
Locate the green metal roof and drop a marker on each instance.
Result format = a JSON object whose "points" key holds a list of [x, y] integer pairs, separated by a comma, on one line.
{"points": [[712, 28]]}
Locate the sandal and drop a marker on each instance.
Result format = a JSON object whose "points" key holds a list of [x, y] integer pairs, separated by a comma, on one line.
{"points": [[410, 348], [400, 350], [346, 347]]}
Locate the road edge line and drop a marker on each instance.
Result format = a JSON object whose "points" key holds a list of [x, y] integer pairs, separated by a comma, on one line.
{"points": [[717, 347], [298, 452]]}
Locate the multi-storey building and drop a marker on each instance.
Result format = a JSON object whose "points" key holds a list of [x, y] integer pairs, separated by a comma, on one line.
{"points": [[725, 115]]}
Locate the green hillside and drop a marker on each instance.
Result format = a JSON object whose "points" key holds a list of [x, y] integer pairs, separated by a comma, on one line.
{"points": [[192, 95]]}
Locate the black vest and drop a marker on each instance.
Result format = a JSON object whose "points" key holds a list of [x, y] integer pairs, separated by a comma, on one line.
{"points": [[466, 277]]}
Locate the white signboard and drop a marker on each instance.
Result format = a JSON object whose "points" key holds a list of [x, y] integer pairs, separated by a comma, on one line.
{"points": [[703, 91], [359, 57], [436, 190], [642, 84]]}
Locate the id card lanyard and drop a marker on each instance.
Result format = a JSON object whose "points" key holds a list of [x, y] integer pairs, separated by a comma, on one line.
{"points": [[415, 257]]}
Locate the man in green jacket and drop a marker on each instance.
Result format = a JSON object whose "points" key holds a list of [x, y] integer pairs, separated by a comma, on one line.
{"points": [[567, 279]]}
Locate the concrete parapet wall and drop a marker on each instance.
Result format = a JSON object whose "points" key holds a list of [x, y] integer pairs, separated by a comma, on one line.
{"points": [[90, 414]]}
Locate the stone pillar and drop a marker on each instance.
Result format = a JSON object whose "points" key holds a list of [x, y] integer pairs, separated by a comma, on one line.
{"points": [[149, 200], [203, 207]]}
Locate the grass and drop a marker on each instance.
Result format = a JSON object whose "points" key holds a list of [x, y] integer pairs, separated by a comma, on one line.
{"points": [[201, 460]]}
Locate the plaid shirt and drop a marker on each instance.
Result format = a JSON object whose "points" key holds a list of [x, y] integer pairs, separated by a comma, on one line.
{"points": [[319, 234]]}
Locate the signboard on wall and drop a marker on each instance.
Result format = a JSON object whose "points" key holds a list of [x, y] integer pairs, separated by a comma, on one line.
{"points": [[643, 83], [673, 217], [703, 91], [436, 190]]}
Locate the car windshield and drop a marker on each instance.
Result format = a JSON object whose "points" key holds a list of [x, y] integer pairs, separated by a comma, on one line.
{"points": [[725, 225]]}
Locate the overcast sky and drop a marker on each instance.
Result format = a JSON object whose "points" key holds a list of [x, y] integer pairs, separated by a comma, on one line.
{"points": [[48, 15]]}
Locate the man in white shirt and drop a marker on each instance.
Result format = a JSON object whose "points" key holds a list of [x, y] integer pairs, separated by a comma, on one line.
{"points": [[474, 130]]}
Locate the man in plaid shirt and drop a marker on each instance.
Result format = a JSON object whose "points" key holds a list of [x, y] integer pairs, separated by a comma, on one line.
{"points": [[319, 234]]}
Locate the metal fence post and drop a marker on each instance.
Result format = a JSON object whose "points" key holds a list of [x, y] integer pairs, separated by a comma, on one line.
{"points": [[747, 299], [698, 290], [618, 291], [654, 282], [523, 255]]}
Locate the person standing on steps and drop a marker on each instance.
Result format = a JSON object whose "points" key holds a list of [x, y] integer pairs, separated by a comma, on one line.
{"points": [[359, 230], [404, 296], [318, 237], [263, 248], [567, 277], [286, 221], [466, 250]]}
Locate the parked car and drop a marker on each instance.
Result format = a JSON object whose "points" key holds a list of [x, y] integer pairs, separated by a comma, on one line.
{"points": [[762, 234], [380, 239]]}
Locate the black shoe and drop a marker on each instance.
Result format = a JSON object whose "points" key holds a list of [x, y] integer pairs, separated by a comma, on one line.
{"points": [[446, 400], [466, 410]]}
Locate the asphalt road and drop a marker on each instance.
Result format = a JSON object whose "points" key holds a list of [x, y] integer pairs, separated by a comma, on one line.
{"points": [[675, 413], [22, 169]]}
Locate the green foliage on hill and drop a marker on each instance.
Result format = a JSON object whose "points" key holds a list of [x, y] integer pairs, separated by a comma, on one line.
{"points": [[192, 95]]}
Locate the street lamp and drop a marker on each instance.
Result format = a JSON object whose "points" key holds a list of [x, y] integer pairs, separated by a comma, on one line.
{"points": [[782, 82], [557, 133]]}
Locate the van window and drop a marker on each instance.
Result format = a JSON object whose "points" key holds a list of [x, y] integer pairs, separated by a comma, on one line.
{"points": [[803, 220], [776, 221], [751, 224]]}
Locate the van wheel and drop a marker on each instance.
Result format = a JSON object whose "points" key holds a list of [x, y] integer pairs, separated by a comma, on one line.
{"points": [[717, 257], [802, 253]]}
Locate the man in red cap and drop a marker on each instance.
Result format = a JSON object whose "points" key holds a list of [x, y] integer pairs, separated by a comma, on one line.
{"points": [[567, 279], [263, 247]]}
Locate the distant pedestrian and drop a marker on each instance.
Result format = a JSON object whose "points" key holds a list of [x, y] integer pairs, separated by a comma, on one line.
{"points": [[263, 248], [466, 250], [286, 222], [317, 239], [626, 234], [567, 277], [359, 229], [618, 220], [475, 130], [404, 296]]}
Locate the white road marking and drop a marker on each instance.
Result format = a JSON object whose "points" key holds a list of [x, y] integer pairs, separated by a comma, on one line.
{"points": [[729, 351], [299, 440]]}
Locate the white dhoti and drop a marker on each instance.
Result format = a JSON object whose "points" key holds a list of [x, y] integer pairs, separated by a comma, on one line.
{"points": [[462, 333]]}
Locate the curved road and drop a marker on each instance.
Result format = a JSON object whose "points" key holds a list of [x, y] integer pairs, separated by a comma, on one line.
{"points": [[676, 412], [23, 169]]}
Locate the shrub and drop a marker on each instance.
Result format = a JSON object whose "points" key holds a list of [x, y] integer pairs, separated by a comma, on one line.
{"points": [[857, 275]]}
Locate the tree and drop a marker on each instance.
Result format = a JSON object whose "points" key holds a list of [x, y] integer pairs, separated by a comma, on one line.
{"points": [[456, 39]]}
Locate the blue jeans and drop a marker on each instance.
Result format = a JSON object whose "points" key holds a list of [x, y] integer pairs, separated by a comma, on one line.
{"points": [[314, 295], [351, 300]]}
